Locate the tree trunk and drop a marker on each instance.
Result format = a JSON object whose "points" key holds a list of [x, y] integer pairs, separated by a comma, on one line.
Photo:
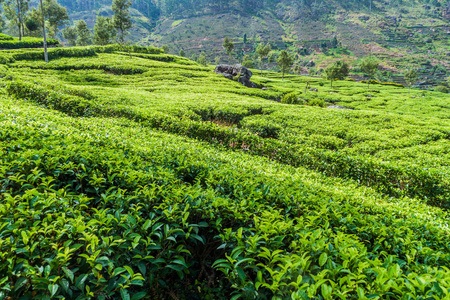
{"points": [[260, 66], [368, 84], [45, 35], [19, 16]]}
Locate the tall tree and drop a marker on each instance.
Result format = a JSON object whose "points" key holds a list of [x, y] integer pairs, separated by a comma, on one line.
{"points": [[84, 35], [411, 77], [15, 12], [262, 51], [44, 33], [56, 16], [229, 46], [103, 31], [337, 71], [70, 33], [285, 62], [369, 65], [122, 18]]}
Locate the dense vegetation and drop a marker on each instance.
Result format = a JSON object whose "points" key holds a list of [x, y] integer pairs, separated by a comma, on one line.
{"points": [[149, 176]]}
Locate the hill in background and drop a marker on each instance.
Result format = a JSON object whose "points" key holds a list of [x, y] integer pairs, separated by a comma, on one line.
{"points": [[401, 33]]}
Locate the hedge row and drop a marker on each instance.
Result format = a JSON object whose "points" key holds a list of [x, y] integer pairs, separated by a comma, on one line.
{"points": [[104, 208], [390, 178], [55, 53], [26, 42]]}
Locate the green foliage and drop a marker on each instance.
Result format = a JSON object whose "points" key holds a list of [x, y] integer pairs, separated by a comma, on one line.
{"points": [[442, 89], [26, 42], [291, 98], [32, 25], [5, 37], [317, 102], [228, 45], [337, 71], [285, 61], [84, 35], [202, 59], [104, 32], [122, 18], [263, 51], [153, 177], [369, 66], [70, 33], [56, 16]]}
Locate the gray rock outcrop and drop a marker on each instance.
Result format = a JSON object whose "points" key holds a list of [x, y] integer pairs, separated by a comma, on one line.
{"points": [[240, 72]]}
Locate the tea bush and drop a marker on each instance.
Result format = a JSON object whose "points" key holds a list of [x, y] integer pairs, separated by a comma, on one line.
{"points": [[98, 208], [291, 98], [148, 176], [26, 42]]}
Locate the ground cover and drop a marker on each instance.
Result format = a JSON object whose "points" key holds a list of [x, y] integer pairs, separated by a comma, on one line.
{"points": [[151, 176], [173, 94]]}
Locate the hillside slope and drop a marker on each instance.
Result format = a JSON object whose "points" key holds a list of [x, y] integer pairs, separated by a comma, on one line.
{"points": [[150, 176], [401, 33]]}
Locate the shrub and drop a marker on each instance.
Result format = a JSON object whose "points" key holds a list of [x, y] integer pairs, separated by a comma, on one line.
{"points": [[317, 102], [321, 83], [5, 37], [27, 42], [291, 98], [442, 89]]}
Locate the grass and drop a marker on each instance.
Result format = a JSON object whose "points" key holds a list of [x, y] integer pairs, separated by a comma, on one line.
{"points": [[152, 176]]}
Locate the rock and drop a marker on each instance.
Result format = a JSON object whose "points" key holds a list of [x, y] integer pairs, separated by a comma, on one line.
{"points": [[338, 107], [264, 89], [242, 73], [313, 90]]}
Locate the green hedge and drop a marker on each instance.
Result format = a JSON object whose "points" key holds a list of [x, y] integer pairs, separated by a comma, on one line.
{"points": [[5, 37], [104, 208], [54, 53], [390, 178], [26, 42]]}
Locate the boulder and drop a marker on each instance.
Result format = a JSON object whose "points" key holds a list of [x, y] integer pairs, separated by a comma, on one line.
{"points": [[238, 71]]}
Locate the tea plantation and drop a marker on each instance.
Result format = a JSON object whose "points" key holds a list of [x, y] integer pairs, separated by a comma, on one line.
{"points": [[141, 175]]}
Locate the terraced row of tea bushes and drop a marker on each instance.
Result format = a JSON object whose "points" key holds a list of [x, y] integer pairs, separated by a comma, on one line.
{"points": [[393, 178], [105, 208], [353, 95], [55, 53], [26, 42]]}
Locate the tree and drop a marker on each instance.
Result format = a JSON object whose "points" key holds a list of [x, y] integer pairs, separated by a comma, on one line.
{"points": [[411, 77], [262, 51], [32, 25], [202, 59], [337, 71], [84, 35], [245, 38], [122, 18], [103, 31], [43, 32], [165, 48], [334, 42], [369, 66], [70, 33], [56, 16], [15, 12], [182, 53], [285, 62], [229, 46]]}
